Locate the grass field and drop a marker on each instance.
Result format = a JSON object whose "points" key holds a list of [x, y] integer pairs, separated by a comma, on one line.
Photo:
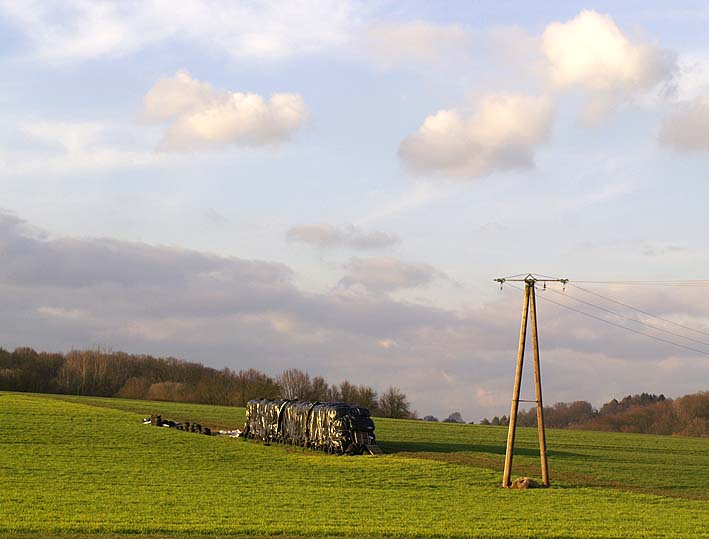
{"points": [[78, 467]]}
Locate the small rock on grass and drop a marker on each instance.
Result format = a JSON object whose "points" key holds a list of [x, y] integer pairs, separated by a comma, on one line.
{"points": [[522, 483]]}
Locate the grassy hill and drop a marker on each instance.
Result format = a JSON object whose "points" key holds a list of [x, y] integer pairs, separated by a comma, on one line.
{"points": [[78, 466]]}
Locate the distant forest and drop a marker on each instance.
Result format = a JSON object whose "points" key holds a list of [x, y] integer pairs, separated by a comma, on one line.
{"points": [[117, 374], [100, 373], [645, 413]]}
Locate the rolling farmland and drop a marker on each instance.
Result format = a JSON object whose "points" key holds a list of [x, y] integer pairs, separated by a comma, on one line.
{"points": [[78, 466]]}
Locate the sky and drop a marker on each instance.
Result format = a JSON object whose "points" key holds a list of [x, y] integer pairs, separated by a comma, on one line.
{"points": [[333, 186]]}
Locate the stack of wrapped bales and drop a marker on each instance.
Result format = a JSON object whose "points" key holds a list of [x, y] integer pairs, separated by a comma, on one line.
{"points": [[334, 427]]}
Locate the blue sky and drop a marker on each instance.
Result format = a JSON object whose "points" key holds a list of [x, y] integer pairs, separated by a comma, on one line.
{"points": [[388, 159]]}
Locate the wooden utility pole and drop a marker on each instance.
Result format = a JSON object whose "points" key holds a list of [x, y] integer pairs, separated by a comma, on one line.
{"points": [[530, 304]]}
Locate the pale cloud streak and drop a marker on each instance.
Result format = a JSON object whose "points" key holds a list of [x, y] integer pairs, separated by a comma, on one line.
{"points": [[54, 148], [416, 43], [686, 126], [327, 236], [79, 30]]}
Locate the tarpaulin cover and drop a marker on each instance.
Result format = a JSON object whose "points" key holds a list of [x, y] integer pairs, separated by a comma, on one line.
{"points": [[335, 427]]}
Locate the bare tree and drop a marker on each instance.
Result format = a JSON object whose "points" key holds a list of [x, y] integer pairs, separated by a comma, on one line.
{"points": [[393, 403], [294, 384], [362, 395], [347, 391], [253, 384], [319, 390]]}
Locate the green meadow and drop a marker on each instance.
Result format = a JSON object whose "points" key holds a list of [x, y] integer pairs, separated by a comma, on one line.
{"points": [[75, 467]]}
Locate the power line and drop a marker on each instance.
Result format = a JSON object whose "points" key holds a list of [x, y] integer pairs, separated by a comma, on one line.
{"points": [[640, 310], [619, 325], [699, 282], [630, 318], [649, 282]]}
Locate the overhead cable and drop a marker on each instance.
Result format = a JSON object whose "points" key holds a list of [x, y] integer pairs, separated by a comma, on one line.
{"points": [[660, 339], [639, 310], [614, 313]]}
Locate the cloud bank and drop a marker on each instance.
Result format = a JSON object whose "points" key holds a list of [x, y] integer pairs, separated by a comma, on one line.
{"points": [[68, 292], [203, 116], [502, 134]]}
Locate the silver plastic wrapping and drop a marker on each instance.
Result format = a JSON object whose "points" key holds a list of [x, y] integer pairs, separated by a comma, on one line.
{"points": [[333, 427]]}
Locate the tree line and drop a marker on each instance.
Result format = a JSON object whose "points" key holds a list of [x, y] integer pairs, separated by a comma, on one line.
{"points": [[100, 373], [117, 374], [645, 413]]}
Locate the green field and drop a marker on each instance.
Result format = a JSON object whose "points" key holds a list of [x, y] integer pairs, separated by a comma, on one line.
{"points": [[78, 467]]}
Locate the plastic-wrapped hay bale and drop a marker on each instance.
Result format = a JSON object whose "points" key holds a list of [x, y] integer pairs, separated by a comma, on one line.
{"points": [[262, 419], [333, 427], [294, 422]]}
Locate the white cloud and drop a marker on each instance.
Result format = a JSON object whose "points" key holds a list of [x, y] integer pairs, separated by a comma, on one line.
{"points": [[386, 274], [590, 52], [501, 135], [686, 127], [205, 116], [692, 80], [171, 96], [328, 236], [416, 43], [78, 30]]}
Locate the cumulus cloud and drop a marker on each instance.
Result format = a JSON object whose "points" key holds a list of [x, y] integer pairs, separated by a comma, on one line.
{"points": [[592, 53], [385, 273], [74, 30], [686, 127], [416, 43], [204, 116], [501, 135], [327, 236]]}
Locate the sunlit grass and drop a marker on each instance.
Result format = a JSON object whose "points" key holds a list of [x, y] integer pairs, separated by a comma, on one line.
{"points": [[73, 465]]}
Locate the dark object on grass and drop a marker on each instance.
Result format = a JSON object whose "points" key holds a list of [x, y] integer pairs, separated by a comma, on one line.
{"points": [[333, 427], [197, 428], [522, 483]]}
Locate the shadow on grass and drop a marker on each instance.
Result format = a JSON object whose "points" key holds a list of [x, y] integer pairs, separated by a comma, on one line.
{"points": [[393, 447]]}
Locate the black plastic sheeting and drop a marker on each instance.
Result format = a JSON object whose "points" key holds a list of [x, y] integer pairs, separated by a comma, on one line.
{"points": [[333, 427], [158, 421]]}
